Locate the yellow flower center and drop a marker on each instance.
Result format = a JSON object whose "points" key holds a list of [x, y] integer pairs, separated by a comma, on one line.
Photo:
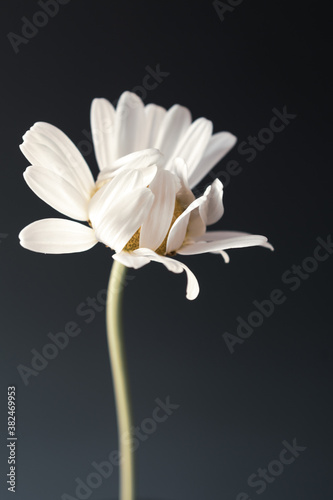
{"points": [[134, 242]]}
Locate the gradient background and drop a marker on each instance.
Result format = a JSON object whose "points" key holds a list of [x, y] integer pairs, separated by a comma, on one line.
{"points": [[235, 409]]}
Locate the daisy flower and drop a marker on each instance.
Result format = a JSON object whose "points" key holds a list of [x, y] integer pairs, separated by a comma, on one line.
{"points": [[138, 207]]}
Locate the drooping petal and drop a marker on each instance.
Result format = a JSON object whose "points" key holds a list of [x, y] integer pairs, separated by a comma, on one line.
{"points": [[227, 239], [57, 236], [119, 219], [102, 117], [130, 125], [225, 256], [174, 266], [154, 229], [155, 115], [173, 127], [46, 146], [193, 143], [193, 289], [218, 146], [212, 209], [57, 192]]}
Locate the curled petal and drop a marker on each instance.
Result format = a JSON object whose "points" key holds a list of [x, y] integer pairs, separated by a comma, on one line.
{"points": [[192, 289]]}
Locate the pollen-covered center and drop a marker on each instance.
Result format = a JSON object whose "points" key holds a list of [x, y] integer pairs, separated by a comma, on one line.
{"points": [[134, 242]]}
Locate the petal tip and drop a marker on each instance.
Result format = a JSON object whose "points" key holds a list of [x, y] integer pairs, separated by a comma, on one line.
{"points": [[232, 138]]}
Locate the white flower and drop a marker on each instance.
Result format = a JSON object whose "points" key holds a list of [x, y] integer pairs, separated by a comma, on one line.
{"points": [[141, 207]]}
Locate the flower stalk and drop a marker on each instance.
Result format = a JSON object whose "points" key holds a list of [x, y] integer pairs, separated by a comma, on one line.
{"points": [[120, 380]]}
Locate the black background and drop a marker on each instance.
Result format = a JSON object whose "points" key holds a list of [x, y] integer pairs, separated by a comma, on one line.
{"points": [[235, 409]]}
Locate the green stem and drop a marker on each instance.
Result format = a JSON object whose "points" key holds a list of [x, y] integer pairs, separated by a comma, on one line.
{"points": [[120, 380]]}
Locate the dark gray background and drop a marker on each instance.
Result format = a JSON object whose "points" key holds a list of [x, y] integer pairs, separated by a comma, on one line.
{"points": [[235, 409]]}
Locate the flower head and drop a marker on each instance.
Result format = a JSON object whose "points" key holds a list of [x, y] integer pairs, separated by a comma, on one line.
{"points": [[141, 205]]}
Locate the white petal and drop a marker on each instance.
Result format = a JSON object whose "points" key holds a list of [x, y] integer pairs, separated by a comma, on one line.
{"points": [[212, 210], [225, 256], [154, 229], [174, 266], [130, 126], [179, 228], [174, 125], [155, 115], [218, 235], [102, 117], [46, 146], [192, 289], [130, 259], [122, 218], [180, 169], [196, 227], [218, 146], [227, 239], [139, 159], [192, 145], [57, 192], [120, 186], [57, 236], [52, 162]]}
